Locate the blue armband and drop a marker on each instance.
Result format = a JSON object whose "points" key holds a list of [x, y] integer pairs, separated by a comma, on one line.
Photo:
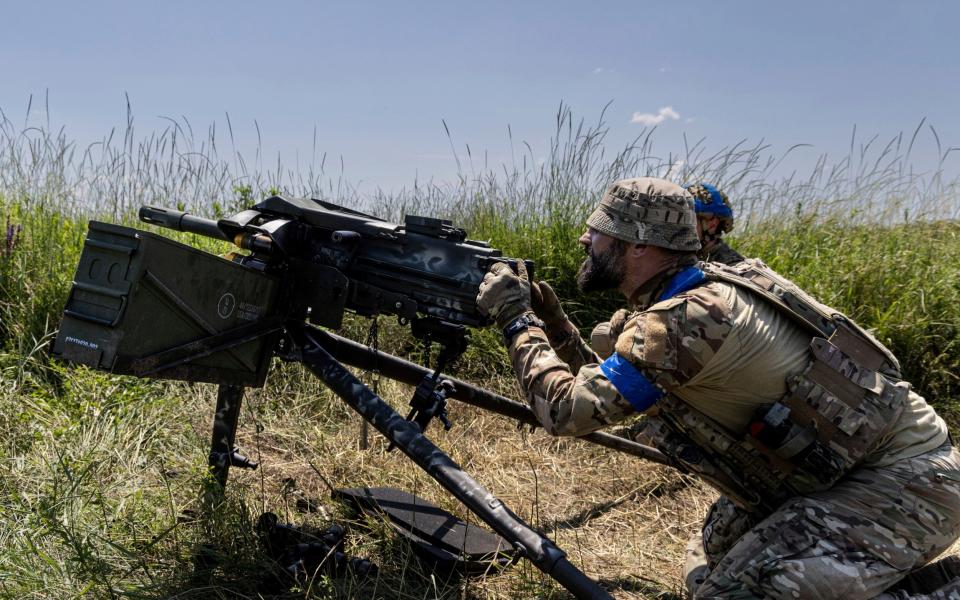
{"points": [[639, 391]]}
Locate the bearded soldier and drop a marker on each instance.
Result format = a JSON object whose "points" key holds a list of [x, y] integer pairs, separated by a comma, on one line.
{"points": [[840, 478], [714, 218]]}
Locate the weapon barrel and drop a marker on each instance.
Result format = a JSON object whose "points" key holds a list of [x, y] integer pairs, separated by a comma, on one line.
{"points": [[360, 356], [181, 221]]}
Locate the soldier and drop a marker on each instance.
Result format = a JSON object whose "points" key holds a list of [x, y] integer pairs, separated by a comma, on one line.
{"points": [[714, 218], [840, 478]]}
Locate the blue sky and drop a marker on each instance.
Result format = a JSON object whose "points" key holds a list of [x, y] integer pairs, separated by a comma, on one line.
{"points": [[376, 79]]}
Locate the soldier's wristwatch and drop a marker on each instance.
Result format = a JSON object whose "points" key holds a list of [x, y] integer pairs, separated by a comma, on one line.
{"points": [[519, 324]]}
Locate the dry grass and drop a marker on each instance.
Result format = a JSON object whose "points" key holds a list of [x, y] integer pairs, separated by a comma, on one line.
{"points": [[621, 520], [101, 477]]}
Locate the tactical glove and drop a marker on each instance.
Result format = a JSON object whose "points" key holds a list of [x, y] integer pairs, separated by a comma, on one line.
{"points": [[603, 339], [560, 330], [546, 304], [504, 295]]}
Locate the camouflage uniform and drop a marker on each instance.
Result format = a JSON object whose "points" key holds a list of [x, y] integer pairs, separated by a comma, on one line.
{"points": [[565, 340], [725, 522], [720, 353], [722, 253]]}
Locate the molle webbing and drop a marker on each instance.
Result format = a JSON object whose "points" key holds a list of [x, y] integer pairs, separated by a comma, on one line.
{"points": [[624, 207], [732, 466], [783, 297]]}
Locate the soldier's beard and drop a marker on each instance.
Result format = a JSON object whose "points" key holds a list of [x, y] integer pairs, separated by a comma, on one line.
{"points": [[602, 271]]}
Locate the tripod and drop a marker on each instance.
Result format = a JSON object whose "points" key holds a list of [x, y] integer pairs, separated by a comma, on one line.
{"points": [[306, 344]]}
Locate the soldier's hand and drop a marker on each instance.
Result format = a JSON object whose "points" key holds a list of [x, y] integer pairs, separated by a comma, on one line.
{"points": [[546, 304], [504, 295], [603, 339]]}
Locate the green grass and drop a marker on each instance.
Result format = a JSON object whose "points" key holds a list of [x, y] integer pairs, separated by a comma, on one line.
{"points": [[101, 477], [902, 282]]}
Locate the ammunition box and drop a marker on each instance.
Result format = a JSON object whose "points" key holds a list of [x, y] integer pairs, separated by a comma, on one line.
{"points": [[145, 305]]}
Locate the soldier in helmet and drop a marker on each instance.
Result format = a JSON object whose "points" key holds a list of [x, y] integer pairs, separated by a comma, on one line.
{"points": [[839, 477], [714, 218]]}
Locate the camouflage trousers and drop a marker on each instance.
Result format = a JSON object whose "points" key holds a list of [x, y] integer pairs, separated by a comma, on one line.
{"points": [[852, 541]]}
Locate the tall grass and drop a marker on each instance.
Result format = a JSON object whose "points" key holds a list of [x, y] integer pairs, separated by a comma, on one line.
{"points": [[100, 475]]}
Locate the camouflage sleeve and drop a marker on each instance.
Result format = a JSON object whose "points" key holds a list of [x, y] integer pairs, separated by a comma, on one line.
{"points": [[564, 403], [669, 344], [672, 341], [570, 347]]}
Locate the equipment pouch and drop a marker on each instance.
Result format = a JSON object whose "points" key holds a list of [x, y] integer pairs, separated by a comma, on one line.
{"points": [[836, 413]]}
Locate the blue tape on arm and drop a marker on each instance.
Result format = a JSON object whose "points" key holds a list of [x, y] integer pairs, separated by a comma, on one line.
{"points": [[639, 391]]}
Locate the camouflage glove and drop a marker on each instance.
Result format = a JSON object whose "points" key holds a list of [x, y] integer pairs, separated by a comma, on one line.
{"points": [[603, 339], [504, 295], [547, 306]]}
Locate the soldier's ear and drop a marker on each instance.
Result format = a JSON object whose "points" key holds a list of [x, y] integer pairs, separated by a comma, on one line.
{"points": [[638, 250]]}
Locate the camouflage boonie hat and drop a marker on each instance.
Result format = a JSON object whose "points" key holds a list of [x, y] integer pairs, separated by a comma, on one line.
{"points": [[647, 210], [711, 202]]}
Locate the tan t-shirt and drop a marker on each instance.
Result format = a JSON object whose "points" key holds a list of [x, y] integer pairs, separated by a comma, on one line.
{"points": [[759, 349], [720, 348]]}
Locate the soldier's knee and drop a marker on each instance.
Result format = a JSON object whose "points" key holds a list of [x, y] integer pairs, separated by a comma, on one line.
{"points": [[724, 525]]}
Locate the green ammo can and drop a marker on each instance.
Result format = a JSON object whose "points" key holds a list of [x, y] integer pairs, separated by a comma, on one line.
{"points": [[142, 304]]}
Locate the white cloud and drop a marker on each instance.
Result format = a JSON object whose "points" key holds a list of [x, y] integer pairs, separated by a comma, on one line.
{"points": [[650, 119], [664, 69]]}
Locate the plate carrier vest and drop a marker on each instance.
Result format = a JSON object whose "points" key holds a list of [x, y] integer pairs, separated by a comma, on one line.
{"points": [[834, 415]]}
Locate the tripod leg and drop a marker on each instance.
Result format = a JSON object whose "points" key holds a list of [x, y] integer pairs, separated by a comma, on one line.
{"points": [[229, 399], [406, 435]]}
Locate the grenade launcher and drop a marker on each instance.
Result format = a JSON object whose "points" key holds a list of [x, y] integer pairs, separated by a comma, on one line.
{"points": [[145, 305]]}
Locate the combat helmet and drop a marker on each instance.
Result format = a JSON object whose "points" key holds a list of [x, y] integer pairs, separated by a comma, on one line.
{"points": [[647, 210], [711, 202]]}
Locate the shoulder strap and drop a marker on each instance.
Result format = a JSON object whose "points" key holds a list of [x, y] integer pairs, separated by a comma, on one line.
{"points": [[787, 297], [818, 319]]}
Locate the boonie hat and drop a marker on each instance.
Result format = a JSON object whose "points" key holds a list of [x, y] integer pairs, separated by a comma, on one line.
{"points": [[648, 210]]}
